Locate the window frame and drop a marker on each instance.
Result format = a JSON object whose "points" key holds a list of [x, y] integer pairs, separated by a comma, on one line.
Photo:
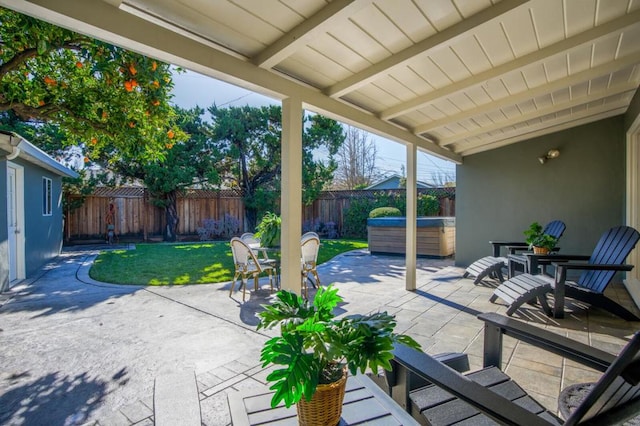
{"points": [[47, 196]]}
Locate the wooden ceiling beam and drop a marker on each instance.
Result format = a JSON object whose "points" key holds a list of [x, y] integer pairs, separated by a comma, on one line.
{"points": [[300, 35], [629, 87], [579, 77], [436, 41], [589, 36], [547, 127]]}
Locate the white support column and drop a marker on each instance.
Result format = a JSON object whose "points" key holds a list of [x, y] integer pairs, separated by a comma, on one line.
{"points": [[632, 279], [412, 195], [291, 198]]}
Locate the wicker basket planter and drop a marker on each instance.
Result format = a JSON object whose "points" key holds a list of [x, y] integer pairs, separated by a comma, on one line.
{"points": [[325, 407], [540, 250]]}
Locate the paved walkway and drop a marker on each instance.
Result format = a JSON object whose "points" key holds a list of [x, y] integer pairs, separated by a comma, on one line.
{"points": [[75, 351]]}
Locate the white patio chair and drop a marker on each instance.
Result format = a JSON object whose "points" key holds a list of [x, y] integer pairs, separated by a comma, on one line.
{"points": [[310, 245], [253, 242], [247, 264], [309, 234]]}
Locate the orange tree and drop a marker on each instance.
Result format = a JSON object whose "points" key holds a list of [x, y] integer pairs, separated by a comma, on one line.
{"points": [[104, 99]]}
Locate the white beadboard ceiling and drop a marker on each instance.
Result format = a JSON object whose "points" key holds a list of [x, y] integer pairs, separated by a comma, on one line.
{"points": [[454, 77]]}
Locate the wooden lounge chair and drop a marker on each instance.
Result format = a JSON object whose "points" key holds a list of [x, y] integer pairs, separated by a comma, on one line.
{"points": [[492, 266], [489, 396], [598, 271]]}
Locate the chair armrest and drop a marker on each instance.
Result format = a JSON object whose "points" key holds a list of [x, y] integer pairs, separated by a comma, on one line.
{"points": [[516, 249], [493, 405], [508, 243], [593, 266], [498, 325], [557, 257], [498, 244]]}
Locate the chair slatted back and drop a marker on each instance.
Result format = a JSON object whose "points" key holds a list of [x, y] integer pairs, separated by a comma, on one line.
{"points": [[612, 391], [310, 246], [240, 252], [243, 256], [555, 228], [250, 239], [613, 248], [308, 235]]}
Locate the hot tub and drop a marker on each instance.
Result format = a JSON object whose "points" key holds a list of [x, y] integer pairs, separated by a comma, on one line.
{"points": [[436, 236]]}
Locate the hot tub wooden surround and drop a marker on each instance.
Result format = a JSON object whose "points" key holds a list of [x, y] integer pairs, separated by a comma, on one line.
{"points": [[436, 236]]}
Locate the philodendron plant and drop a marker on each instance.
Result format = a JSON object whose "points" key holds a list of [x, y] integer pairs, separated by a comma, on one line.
{"points": [[314, 346]]}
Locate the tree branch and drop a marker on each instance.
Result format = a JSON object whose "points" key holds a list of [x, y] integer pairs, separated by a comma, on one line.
{"points": [[22, 57]]}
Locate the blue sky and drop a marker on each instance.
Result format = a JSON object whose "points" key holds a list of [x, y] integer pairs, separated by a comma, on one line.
{"points": [[193, 89]]}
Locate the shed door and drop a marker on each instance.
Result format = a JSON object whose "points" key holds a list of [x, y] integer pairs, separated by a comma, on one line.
{"points": [[15, 221]]}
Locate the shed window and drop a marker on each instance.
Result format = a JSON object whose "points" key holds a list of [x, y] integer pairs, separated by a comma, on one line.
{"points": [[46, 196]]}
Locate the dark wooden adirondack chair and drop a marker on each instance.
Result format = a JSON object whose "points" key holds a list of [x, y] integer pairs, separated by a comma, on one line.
{"points": [[607, 258], [492, 265], [489, 396]]}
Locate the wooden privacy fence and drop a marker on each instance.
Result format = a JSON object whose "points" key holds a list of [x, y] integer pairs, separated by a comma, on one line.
{"points": [[137, 217]]}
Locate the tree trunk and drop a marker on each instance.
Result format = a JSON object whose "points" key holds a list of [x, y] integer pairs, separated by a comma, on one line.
{"points": [[251, 214], [171, 213]]}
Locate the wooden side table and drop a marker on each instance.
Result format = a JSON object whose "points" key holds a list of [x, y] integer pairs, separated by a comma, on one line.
{"points": [[364, 402]]}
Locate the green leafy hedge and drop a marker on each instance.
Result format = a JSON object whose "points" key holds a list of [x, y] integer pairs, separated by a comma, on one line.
{"points": [[355, 216], [385, 212]]}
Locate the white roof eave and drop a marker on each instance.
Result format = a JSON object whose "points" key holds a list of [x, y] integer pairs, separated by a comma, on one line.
{"points": [[18, 147]]}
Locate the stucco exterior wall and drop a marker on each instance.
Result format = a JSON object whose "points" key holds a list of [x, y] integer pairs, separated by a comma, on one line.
{"points": [[43, 234], [4, 243], [500, 192]]}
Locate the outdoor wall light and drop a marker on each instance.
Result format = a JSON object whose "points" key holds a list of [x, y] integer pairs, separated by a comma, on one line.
{"points": [[552, 153]]}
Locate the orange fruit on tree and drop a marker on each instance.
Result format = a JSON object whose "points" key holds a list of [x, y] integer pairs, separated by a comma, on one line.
{"points": [[170, 134]]}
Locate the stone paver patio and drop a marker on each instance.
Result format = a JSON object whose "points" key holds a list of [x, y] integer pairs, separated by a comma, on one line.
{"points": [[74, 351]]}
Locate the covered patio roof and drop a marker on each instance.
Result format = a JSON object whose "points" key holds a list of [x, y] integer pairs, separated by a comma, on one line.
{"points": [[452, 77], [449, 77]]}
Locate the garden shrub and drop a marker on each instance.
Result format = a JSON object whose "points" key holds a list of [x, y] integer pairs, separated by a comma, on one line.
{"points": [[428, 205], [327, 230], [355, 216], [385, 212], [215, 229]]}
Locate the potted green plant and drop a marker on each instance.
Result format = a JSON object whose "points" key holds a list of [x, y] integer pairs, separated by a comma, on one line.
{"points": [[538, 241], [315, 350], [268, 230]]}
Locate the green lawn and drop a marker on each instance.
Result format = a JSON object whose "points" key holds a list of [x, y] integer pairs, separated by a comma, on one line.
{"points": [[192, 263]]}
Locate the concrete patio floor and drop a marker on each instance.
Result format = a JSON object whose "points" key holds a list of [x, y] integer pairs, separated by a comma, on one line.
{"points": [[76, 351]]}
